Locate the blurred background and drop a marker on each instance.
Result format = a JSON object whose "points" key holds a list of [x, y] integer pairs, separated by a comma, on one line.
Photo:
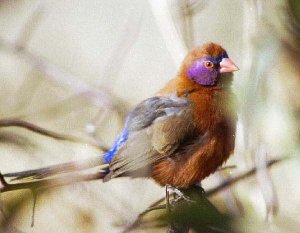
{"points": [[77, 68]]}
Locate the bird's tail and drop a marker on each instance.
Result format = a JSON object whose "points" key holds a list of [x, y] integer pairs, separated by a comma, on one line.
{"points": [[48, 171]]}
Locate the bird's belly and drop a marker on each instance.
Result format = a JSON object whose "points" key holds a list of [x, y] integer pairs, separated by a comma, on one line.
{"points": [[191, 166]]}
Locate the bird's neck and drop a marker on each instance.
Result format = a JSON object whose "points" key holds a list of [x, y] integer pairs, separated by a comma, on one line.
{"points": [[214, 104], [182, 86]]}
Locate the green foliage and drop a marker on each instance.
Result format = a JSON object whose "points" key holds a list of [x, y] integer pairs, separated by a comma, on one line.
{"points": [[295, 8]]}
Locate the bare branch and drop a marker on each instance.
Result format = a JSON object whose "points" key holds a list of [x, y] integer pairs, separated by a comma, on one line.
{"points": [[229, 197], [57, 169], [97, 96], [187, 21], [243, 176], [35, 194], [30, 25], [53, 182], [265, 182], [11, 122], [135, 224], [229, 167]]}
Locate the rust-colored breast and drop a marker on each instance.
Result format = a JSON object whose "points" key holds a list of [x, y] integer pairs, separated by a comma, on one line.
{"points": [[211, 145]]}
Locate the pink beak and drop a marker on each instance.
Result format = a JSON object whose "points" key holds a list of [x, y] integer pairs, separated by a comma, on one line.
{"points": [[227, 65]]}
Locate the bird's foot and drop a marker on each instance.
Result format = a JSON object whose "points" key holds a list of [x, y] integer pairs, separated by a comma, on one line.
{"points": [[178, 195]]}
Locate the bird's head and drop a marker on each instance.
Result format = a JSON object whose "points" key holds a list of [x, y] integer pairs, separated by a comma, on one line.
{"points": [[205, 64]]}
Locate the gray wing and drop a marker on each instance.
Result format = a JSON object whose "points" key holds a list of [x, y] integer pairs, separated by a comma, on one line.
{"points": [[156, 128]]}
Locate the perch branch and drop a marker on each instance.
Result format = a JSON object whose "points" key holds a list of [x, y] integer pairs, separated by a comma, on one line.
{"points": [[75, 178], [209, 193], [90, 163]]}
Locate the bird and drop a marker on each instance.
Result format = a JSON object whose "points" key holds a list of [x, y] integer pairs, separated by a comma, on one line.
{"points": [[178, 137], [186, 131]]}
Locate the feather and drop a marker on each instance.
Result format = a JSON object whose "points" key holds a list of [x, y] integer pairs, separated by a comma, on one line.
{"points": [[155, 129]]}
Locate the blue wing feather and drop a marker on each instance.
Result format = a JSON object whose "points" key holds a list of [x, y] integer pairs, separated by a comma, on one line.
{"points": [[143, 116], [118, 143]]}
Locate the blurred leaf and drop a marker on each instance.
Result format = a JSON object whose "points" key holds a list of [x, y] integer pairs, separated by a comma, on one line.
{"points": [[295, 8], [198, 214], [13, 205]]}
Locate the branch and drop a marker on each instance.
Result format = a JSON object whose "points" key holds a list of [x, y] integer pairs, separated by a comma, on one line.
{"points": [[50, 183], [71, 179], [243, 176], [209, 193], [11, 122], [94, 162], [173, 39], [55, 73], [97, 96], [30, 25], [57, 169]]}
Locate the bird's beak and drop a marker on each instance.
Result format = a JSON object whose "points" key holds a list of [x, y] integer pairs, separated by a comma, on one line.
{"points": [[227, 65]]}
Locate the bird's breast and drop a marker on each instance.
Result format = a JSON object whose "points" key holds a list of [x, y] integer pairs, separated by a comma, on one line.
{"points": [[210, 146], [207, 110]]}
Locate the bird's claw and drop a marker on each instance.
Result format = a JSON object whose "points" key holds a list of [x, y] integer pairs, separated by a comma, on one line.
{"points": [[179, 195]]}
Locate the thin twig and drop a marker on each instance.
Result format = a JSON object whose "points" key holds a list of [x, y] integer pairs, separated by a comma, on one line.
{"points": [[187, 17], [57, 169], [229, 167], [97, 96], [197, 6], [167, 199], [12, 122], [3, 183], [265, 182], [34, 193], [231, 201], [238, 178], [136, 223], [53, 182], [29, 26]]}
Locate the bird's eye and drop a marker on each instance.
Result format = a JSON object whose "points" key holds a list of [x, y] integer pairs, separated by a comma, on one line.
{"points": [[209, 64]]}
